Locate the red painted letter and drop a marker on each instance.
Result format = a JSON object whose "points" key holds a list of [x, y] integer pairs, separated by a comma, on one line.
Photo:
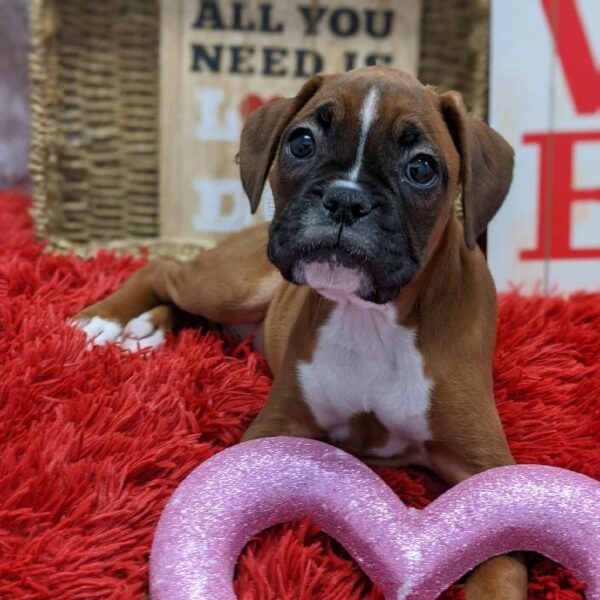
{"points": [[556, 195], [575, 54]]}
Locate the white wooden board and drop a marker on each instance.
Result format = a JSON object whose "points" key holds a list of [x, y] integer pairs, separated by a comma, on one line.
{"points": [[545, 99]]}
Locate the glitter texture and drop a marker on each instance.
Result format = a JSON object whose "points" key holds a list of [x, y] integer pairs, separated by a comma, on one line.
{"points": [[409, 554]]}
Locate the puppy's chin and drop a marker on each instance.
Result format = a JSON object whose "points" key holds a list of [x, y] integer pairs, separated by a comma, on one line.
{"points": [[333, 280]]}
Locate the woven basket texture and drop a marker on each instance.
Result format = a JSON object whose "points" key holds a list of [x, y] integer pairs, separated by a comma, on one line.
{"points": [[94, 81], [94, 158], [454, 53]]}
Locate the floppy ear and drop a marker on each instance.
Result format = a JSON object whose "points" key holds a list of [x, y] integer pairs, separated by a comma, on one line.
{"points": [[486, 165], [261, 134]]}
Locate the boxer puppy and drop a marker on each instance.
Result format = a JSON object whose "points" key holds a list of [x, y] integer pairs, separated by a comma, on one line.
{"points": [[375, 307]]}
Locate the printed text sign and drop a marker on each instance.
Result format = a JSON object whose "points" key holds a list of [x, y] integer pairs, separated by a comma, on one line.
{"points": [[221, 60]]}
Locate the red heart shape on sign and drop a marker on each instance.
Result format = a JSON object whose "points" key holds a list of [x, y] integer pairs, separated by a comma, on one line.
{"points": [[253, 101]]}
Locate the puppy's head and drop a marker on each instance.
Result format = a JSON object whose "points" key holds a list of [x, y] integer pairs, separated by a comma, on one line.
{"points": [[364, 168]]}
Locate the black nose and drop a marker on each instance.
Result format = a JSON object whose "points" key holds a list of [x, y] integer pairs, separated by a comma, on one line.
{"points": [[347, 205]]}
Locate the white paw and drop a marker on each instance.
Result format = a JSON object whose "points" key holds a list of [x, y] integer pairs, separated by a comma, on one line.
{"points": [[140, 327], [141, 333], [151, 341], [100, 331]]}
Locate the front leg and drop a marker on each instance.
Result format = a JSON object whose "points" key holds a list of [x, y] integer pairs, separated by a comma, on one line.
{"points": [[138, 314], [285, 412], [499, 578], [231, 284], [479, 446]]}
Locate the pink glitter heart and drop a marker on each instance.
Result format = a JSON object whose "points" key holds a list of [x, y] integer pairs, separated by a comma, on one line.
{"points": [[410, 554]]}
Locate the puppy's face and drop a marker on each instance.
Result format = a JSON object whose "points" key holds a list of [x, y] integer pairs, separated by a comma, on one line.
{"points": [[364, 172], [362, 176]]}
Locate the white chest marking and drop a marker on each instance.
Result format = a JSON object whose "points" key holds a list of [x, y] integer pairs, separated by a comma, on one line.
{"points": [[368, 112], [364, 361]]}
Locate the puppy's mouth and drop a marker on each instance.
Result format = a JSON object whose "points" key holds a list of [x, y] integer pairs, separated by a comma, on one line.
{"points": [[338, 265], [335, 256], [332, 272]]}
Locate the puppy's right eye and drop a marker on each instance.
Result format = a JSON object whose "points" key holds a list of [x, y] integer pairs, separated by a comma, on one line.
{"points": [[302, 144], [420, 172]]}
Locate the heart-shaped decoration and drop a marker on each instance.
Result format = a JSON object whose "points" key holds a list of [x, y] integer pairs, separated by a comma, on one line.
{"points": [[253, 101], [410, 554]]}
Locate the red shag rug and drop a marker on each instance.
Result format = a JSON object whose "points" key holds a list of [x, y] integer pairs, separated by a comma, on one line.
{"points": [[94, 443]]}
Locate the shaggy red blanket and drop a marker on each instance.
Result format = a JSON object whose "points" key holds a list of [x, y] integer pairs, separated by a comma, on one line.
{"points": [[94, 443]]}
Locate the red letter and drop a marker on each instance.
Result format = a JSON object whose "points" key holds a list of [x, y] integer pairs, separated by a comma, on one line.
{"points": [[575, 54], [556, 195]]}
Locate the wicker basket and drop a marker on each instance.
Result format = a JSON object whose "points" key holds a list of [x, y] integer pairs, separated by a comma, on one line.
{"points": [[94, 80], [455, 49], [94, 159]]}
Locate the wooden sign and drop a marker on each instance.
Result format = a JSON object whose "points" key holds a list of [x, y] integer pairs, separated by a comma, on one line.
{"points": [[545, 99], [221, 60]]}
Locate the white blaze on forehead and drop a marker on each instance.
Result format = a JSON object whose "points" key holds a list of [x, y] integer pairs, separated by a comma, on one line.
{"points": [[368, 112], [343, 183]]}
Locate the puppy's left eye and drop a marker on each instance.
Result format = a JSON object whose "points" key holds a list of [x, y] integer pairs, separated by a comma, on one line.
{"points": [[301, 144], [420, 172]]}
